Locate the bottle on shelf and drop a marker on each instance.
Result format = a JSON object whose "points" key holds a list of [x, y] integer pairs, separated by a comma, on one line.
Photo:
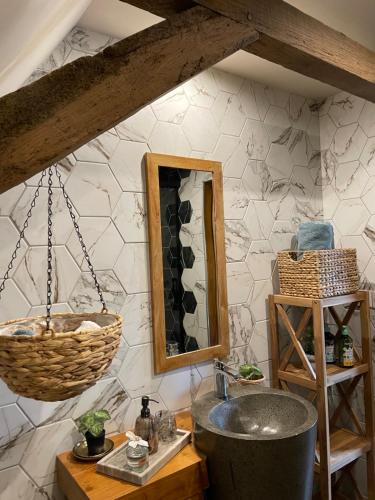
{"points": [[308, 343], [345, 348], [146, 425], [329, 341]]}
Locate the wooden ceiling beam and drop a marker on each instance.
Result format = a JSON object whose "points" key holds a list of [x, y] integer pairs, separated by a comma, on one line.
{"points": [[301, 43], [44, 121]]}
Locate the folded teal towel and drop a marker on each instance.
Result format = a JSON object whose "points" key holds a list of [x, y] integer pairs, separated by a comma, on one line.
{"points": [[315, 236]]}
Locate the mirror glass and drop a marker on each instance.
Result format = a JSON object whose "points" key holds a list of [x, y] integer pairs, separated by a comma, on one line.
{"points": [[186, 214]]}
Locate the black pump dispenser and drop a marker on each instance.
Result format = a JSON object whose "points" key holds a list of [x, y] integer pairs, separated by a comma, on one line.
{"points": [[146, 425], [145, 412]]}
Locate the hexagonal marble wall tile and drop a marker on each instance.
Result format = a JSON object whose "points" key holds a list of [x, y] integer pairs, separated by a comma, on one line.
{"points": [[363, 251], [31, 275], [93, 189], [345, 108], [369, 233], [257, 180], [231, 151], [302, 183], [13, 302], [169, 138], [327, 131], [102, 240], [136, 373], [258, 301], [202, 89], [370, 270], [10, 198], [88, 41], [56, 308], [36, 232], [279, 162], [255, 139], [228, 82], [367, 120], [179, 387], [138, 127], [350, 180], [10, 236], [368, 156], [228, 114], [368, 197], [239, 282], [299, 147], [15, 484], [137, 326], [100, 149], [247, 100], [348, 143], [282, 235], [130, 217], [49, 441], [261, 260], [15, 434], [236, 198], [260, 342], [351, 217], [299, 112], [241, 324], [84, 296], [237, 240], [330, 201], [200, 129], [127, 165], [6, 395], [261, 99], [132, 268], [172, 106], [259, 220], [277, 122]]}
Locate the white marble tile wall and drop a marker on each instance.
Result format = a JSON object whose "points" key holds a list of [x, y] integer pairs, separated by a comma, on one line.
{"points": [[268, 142], [347, 177]]}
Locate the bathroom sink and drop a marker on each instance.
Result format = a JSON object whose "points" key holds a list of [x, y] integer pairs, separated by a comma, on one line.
{"points": [[260, 416], [259, 444]]}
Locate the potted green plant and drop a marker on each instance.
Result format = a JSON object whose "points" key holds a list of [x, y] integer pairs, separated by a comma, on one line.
{"points": [[251, 374], [91, 424]]}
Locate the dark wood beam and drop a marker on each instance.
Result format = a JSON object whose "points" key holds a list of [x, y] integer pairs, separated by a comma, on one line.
{"points": [[162, 8], [43, 122], [301, 43]]}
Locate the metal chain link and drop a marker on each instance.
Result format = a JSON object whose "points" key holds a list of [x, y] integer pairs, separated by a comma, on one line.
{"points": [[49, 250], [22, 232], [80, 238]]}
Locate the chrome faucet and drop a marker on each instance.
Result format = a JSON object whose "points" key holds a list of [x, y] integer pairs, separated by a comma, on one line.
{"points": [[222, 372]]}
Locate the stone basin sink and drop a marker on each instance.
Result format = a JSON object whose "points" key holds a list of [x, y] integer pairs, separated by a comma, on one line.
{"points": [[259, 444]]}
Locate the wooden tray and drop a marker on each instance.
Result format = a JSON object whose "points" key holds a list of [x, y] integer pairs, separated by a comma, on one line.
{"points": [[115, 464]]}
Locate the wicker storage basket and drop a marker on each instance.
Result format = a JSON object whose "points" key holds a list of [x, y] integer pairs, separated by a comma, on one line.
{"points": [[318, 273], [60, 365]]}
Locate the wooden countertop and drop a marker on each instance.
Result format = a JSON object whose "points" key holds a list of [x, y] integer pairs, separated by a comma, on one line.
{"points": [[182, 478]]}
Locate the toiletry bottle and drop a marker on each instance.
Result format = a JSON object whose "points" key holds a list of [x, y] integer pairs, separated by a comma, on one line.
{"points": [[308, 343], [329, 341], [345, 348], [146, 426]]}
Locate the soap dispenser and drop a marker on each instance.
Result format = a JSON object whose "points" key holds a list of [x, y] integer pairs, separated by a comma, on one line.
{"points": [[146, 425]]}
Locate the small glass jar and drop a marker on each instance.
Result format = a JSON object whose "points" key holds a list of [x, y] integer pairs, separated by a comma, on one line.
{"points": [[137, 458], [167, 425]]}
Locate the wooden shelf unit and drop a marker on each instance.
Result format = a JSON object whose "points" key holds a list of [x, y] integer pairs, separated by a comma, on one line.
{"points": [[337, 448]]}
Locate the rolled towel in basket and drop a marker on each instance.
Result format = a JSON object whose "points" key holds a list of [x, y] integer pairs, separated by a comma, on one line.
{"points": [[315, 236]]}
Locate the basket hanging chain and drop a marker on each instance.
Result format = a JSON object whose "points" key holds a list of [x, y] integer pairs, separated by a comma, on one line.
{"points": [[49, 251], [22, 232], [80, 238]]}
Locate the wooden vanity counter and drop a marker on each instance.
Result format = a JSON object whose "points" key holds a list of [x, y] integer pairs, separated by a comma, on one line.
{"points": [[182, 478]]}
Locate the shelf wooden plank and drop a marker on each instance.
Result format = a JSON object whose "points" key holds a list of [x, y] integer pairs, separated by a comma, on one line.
{"points": [[335, 374], [327, 302], [346, 446]]}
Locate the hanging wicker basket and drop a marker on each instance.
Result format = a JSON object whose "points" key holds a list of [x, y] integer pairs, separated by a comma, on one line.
{"points": [[45, 357], [61, 364]]}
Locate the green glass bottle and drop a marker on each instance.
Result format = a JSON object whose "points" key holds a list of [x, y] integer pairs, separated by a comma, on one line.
{"points": [[345, 349]]}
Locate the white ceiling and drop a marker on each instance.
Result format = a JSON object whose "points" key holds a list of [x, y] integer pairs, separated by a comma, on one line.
{"points": [[355, 18]]}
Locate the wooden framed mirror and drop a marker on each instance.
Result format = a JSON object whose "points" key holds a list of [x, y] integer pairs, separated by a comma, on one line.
{"points": [[187, 260]]}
